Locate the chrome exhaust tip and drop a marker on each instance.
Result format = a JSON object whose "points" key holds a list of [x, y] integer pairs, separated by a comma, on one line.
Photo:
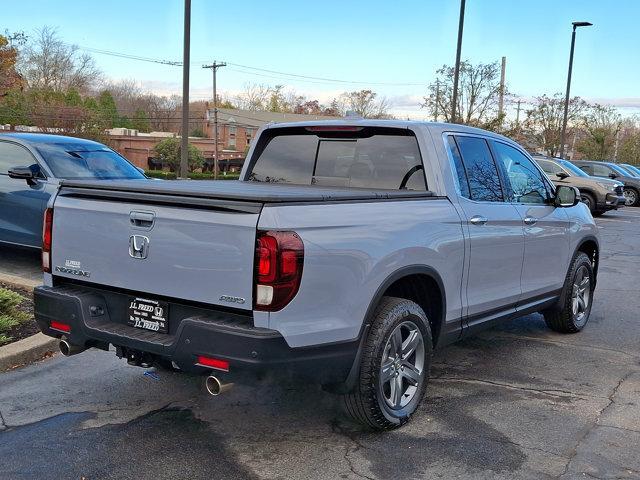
{"points": [[68, 349], [215, 387]]}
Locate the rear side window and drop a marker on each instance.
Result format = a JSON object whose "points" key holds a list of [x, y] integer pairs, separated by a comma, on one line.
{"points": [[481, 171], [12, 155], [461, 175], [366, 158]]}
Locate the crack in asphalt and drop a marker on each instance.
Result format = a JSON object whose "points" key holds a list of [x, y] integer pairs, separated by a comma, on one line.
{"points": [[567, 344], [350, 449], [595, 424], [548, 392]]}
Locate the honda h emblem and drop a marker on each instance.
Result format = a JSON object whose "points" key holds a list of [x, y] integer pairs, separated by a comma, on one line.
{"points": [[138, 246]]}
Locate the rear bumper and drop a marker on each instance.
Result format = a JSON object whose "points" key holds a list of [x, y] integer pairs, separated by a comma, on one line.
{"points": [[98, 318]]}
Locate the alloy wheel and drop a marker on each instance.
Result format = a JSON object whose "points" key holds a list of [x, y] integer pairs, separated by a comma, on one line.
{"points": [[403, 364], [581, 296], [586, 201], [630, 197]]}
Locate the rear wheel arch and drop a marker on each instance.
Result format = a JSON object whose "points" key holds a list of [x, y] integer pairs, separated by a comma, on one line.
{"points": [[590, 246], [419, 283]]}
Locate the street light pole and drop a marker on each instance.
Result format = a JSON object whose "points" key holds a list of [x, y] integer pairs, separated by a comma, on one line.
{"points": [[566, 98], [456, 72], [184, 143]]}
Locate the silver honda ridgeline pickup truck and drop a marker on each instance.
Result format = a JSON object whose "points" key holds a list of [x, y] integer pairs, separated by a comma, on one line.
{"points": [[347, 253]]}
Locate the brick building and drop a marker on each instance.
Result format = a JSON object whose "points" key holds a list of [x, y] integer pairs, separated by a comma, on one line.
{"points": [[236, 130]]}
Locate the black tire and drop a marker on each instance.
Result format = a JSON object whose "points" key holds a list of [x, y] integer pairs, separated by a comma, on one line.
{"points": [[367, 403], [598, 213], [588, 200], [562, 318]]}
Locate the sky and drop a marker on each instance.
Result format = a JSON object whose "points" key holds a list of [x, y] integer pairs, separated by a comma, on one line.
{"points": [[391, 47]]}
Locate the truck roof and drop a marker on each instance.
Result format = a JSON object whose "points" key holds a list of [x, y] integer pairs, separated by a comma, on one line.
{"points": [[435, 127]]}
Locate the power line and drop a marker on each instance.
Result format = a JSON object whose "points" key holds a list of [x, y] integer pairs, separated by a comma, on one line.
{"points": [[280, 74]]}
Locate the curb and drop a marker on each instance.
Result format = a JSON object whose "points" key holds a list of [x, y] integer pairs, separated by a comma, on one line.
{"points": [[26, 350], [19, 281]]}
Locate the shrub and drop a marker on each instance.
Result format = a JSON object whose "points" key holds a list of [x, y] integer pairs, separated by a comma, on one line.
{"points": [[161, 174], [168, 151], [10, 316]]}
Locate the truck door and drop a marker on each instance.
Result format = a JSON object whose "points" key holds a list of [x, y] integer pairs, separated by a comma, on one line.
{"points": [[546, 228], [494, 228]]}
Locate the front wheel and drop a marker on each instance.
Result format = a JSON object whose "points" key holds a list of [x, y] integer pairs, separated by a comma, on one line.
{"points": [[394, 367], [630, 197], [573, 310], [588, 200]]}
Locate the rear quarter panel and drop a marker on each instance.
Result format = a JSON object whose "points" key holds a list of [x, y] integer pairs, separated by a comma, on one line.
{"points": [[351, 249]]}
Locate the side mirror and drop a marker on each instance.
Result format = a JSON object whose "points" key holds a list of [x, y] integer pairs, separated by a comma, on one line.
{"points": [[566, 196], [24, 173], [613, 175], [562, 175]]}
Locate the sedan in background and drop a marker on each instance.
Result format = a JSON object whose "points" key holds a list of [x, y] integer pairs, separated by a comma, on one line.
{"points": [[31, 167], [599, 194], [613, 171]]}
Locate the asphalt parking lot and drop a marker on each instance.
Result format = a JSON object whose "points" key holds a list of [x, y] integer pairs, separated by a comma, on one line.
{"points": [[518, 401]]}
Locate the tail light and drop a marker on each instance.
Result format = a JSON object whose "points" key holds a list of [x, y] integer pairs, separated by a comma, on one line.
{"points": [[278, 269], [47, 227]]}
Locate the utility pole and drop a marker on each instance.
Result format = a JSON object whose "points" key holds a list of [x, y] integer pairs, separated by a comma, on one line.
{"points": [[518, 114], [456, 73], [566, 98], [214, 68], [501, 99], [437, 99], [184, 144]]}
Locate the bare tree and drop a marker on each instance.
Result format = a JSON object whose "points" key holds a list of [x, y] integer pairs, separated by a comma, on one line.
{"points": [[365, 104], [254, 97], [478, 95], [601, 126], [49, 63], [544, 121]]}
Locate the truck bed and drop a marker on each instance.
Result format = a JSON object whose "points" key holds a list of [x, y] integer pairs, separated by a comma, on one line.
{"points": [[235, 191]]}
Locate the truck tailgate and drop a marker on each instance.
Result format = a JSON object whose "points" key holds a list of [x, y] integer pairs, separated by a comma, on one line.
{"points": [[202, 251]]}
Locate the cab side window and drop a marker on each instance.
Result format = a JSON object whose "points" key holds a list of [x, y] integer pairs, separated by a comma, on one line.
{"points": [[526, 181], [480, 169]]}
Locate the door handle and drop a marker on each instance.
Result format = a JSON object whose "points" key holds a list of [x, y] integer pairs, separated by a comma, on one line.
{"points": [[530, 221], [478, 220]]}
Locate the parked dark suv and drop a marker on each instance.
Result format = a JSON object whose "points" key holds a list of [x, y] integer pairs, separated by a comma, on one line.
{"points": [[599, 194], [613, 171]]}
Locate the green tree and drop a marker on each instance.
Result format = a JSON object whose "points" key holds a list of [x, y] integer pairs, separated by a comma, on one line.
{"points": [[629, 151], [107, 110], [168, 151], [72, 98], [601, 125], [141, 121]]}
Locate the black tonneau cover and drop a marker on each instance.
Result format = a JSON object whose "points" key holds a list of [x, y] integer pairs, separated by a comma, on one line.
{"points": [[234, 191]]}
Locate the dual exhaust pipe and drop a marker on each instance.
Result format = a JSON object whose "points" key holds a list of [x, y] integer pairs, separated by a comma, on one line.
{"points": [[215, 387], [212, 384], [68, 349]]}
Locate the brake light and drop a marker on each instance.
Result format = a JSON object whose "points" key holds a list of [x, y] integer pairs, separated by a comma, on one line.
{"points": [[213, 363], [278, 270], [47, 227], [63, 327], [334, 128]]}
